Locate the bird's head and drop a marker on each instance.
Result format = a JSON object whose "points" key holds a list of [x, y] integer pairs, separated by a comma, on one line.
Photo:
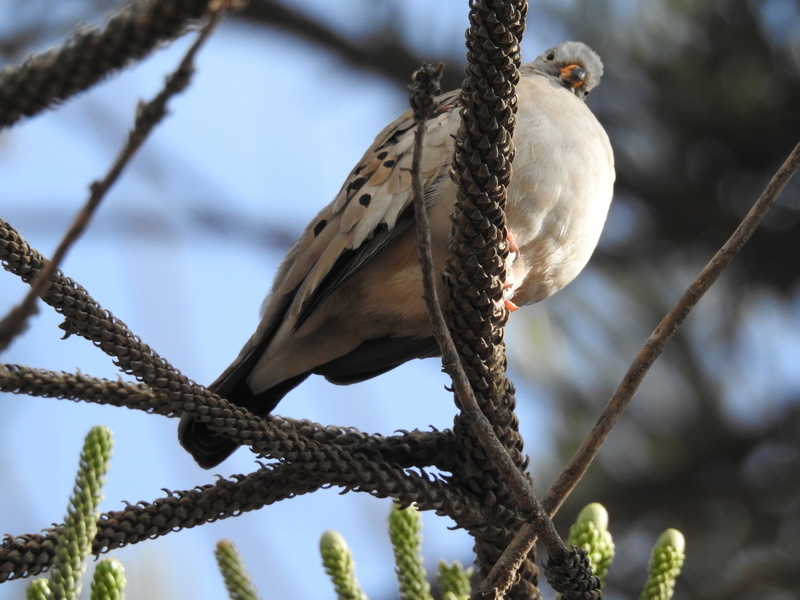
{"points": [[573, 64]]}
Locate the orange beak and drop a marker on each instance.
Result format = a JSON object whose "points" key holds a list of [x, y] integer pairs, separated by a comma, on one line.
{"points": [[574, 75]]}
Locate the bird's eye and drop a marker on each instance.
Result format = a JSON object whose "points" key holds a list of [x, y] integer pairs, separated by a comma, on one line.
{"points": [[550, 55]]}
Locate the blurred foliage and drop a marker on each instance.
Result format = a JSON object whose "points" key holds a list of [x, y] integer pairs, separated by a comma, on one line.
{"points": [[701, 100]]}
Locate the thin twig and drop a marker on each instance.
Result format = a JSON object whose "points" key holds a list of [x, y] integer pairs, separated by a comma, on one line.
{"points": [[147, 117], [652, 348], [451, 362], [450, 359]]}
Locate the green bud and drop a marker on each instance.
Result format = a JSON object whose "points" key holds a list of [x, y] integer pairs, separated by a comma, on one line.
{"points": [[80, 525], [108, 582], [665, 566], [454, 581], [38, 589], [237, 580], [338, 562], [590, 532], [405, 526]]}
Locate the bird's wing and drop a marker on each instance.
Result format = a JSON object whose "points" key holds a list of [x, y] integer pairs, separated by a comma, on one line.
{"points": [[365, 215], [362, 219]]}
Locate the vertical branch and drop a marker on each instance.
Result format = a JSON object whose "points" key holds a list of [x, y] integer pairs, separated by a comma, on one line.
{"points": [[424, 87], [482, 169], [475, 268]]}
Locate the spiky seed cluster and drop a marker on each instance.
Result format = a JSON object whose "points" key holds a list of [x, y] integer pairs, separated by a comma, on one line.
{"points": [[55, 75], [573, 578], [475, 270], [482, 168]]}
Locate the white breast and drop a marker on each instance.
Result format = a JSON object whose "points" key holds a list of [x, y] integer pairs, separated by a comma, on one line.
{"points": [[561, 188]]}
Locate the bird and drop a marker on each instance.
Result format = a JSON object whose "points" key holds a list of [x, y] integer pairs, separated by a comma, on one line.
{"points": [[347, 301]]}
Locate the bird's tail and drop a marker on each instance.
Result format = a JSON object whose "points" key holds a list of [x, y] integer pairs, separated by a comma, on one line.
{"points": [[206, 447], [209, 448]]}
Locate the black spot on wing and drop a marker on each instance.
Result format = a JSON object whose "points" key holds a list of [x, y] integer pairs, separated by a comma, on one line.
{"points": [[351, 261], [356, 184], [319, 227], [395, 137], [365, 199]]}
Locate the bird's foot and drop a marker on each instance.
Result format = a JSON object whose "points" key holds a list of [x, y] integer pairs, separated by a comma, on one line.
{"points": [[512, 244]]}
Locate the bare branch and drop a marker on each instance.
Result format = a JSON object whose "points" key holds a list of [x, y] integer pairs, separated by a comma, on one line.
{"points": [[147, 117], [55, 75], [579, 463], [407, 449], [382, 54], [654, 345]]}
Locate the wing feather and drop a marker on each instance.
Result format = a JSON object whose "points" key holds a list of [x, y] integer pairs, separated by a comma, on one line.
{"points": [[365, 212]]}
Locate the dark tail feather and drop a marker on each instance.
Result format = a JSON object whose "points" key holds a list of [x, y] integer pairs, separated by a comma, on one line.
{"points": [[208, 448], [371, 358]]}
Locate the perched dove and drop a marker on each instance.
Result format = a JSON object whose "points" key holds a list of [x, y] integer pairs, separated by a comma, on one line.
{"points": [[347, 300]]}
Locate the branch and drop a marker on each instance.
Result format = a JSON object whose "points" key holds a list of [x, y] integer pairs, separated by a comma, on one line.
{"points": [[147, 117], [177, 394], [654, 345], [652, 348], [29, 554], [407, 449], [90, 55], [383, 53], [423, 89], [475, 274]]}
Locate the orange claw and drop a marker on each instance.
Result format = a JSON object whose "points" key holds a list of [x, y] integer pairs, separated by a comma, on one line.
{"points": [[512, 243], [510, 306]]}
